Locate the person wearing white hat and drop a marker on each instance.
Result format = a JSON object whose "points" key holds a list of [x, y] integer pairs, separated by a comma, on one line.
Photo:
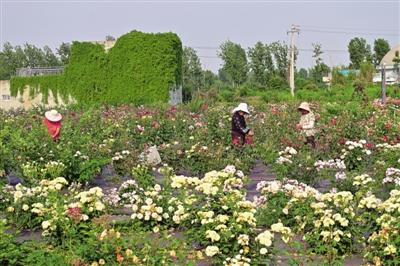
{"points": [[52, 120], [239, 128], [307, 123]]}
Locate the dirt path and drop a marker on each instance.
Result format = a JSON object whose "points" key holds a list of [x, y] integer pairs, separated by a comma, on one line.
{"points": [[260, 172]]}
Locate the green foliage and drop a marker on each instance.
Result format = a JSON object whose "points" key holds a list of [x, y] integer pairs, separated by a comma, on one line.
{"points": [[302, 73], [367, 71], [64, 52], [235, 61], [359, 51], [277, 83], [261, 63], [192, 73], [42, 84], [280, 52], [381, 47], [338, 79], [140, 68]]}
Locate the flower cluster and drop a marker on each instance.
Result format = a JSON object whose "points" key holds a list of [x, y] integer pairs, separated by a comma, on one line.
{"points": [[336, 164], [120, 155], [392, 175], [286, 155]]}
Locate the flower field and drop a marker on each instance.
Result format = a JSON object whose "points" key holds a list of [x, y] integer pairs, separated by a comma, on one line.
{"points": [[324, 205]]}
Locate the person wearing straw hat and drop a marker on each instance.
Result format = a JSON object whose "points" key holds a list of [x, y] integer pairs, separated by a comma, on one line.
{"points": [[52, 120], [306, 124], [239, 128]]}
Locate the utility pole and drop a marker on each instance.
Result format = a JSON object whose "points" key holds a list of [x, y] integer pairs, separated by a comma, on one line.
{"points": [[383, 83], [294, 29]]}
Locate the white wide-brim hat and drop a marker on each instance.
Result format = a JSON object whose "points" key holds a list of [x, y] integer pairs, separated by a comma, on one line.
{"points": [[241, 107], [53, 115], [305, 106]]}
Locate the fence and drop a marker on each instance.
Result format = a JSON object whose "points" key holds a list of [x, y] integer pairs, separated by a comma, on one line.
{"points": [[38, 71]]}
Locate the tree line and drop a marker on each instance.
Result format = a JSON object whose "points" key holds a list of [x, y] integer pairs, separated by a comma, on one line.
{"points": [[264, 65], [29, 55]]}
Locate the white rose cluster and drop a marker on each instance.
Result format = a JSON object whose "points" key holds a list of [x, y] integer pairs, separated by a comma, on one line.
{"points": [[285, 156]]}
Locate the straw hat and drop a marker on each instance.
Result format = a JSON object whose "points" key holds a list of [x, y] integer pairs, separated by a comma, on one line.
{"points": [[53, 115], [241, 107], [305, 106]]}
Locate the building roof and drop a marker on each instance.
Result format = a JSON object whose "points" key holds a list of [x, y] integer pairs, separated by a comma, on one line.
{"points": [[388, 58]]}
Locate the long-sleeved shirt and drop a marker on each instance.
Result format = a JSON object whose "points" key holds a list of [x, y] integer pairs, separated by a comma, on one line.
{"points": [[239, 124], [307, 123], [53, 128]]}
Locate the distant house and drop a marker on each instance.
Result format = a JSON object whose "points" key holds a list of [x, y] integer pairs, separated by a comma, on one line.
{"points": [[391, 71]]}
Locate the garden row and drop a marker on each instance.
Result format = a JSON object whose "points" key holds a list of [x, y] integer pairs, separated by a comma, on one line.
{"points": [[182, 219]]}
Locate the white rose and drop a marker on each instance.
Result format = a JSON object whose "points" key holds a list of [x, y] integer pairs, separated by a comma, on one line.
{"points": [[263, 251], [45, 224]]}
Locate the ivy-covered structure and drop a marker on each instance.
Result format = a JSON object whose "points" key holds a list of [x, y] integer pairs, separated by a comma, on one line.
{"points": [[141, 68]]}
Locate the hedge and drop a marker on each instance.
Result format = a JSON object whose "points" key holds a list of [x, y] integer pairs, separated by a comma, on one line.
{"points": [[141, 68]]}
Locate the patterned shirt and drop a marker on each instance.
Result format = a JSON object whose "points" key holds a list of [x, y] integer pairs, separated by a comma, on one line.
{"points": [[307, 122], [239, 124]]}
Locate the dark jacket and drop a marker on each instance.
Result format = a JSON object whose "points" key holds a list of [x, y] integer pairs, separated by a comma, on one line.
{"points": [[239, 124]]}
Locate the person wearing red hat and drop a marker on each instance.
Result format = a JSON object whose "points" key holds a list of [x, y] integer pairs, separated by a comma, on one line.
{"points": [[52, 120]]}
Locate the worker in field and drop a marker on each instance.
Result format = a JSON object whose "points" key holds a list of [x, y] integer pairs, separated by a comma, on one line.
{"points": [[241, 134], [52, 120], [307, 123]]}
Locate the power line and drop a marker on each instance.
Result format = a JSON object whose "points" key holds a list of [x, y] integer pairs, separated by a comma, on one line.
{"points": [[349, 32], [201, 1], [351, 29]]}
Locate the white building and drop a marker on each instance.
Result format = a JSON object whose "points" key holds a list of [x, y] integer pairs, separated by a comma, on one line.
{"points": [[391, 72]]}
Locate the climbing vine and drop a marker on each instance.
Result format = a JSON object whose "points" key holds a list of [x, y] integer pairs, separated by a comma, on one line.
{"points": [[140, 68]]}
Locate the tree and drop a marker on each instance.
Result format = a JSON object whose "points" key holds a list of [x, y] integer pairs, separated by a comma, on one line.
{"points": [[224, 76], [192, 72], [34, 56], [209, 78], [320, 69], [50, 58], [261, 63], [381, 47], [110, 38], [235, 62], [64, 51], [302, 73], [359, 52], [280, 53], [11, 58]]}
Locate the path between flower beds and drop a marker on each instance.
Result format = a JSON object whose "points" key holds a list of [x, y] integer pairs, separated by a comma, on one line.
{"points": [[259, 172]]}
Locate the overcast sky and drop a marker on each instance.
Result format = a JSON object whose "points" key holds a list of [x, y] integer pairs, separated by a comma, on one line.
{"points": [[206, 24]]}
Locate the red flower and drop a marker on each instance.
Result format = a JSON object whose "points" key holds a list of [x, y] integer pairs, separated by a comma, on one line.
{"points": [[333, 121], [75, 212], [385, 138], [342, 141], [370, 145]]}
